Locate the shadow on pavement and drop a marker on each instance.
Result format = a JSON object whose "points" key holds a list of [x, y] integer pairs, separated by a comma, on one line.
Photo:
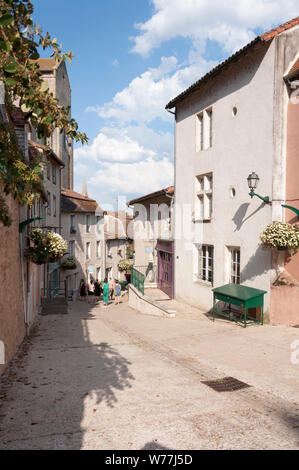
{"points": [[59, 386]]}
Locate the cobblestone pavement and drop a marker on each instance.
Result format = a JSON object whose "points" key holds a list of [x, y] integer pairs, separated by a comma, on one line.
{"points": [[114, 379]]}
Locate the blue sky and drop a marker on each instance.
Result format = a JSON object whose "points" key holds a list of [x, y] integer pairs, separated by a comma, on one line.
{"points": [[131, 58]]}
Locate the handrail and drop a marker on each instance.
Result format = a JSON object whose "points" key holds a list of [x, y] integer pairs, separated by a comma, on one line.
{"points": [[137, 279]]}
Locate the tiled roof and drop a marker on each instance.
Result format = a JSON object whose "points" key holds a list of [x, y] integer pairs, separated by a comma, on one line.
{"points": [[259, 39], [280, 29], [47, 64], [295, 68], [35, 147], [161, 192], [72, 201]]}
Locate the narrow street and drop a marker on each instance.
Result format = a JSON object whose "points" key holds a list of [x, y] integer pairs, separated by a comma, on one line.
{"points": [[114, 379]]}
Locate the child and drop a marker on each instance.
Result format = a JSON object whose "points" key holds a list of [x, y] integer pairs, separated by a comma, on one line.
{"points": [[117, 292], [106, 292]]}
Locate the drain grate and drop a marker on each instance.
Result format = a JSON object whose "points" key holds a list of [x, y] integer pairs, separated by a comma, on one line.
{"points": [[227, 384]]}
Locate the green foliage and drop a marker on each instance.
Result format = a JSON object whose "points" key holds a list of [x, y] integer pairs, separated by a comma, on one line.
{"points": [[17, 177], [20, 39]]}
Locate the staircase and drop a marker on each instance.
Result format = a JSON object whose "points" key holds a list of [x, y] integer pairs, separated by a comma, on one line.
{"points": [[55, 301]]}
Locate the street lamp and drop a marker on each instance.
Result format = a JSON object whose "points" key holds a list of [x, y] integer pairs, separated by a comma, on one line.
{"points": [[253, 180]]}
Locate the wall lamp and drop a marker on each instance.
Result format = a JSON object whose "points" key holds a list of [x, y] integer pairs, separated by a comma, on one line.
{"points": [[253, 180]]}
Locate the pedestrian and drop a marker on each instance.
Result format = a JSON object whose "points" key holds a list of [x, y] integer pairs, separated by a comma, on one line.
{"points": [[105, 286], [117, 292], [97, 290], [91, 296], [111, 288], [82, 290]]}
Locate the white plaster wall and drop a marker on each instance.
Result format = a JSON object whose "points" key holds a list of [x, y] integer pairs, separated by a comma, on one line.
{"points": [[241, 144]]}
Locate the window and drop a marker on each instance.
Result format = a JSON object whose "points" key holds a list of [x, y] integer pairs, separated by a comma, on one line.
{"points": [[98, 249], [203, 197], [49, 203], [209, 139], [206, 263], [54, 206], [109, 251], [199, 132], [72, 224], [88, 250], [87, 223], [99, 274], [235, 257], [54, 174], [204, 130], [72, 249]]}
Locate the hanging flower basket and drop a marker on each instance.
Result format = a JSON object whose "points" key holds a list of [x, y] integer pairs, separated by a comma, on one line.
{"points": [[45, 247], [281, 236], [125, 266], [68, 263]]}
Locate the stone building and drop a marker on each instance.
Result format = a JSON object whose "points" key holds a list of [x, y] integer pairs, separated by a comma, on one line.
{"points": [[56, 76], [83, 229], [153, 238], [235, 120], [52, 177], [117, 242], [21, 280]]}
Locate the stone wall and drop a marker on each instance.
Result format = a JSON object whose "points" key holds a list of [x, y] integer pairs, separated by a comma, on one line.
{"points": [[12, 325]]}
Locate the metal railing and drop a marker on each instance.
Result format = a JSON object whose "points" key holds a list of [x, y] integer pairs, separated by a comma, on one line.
{"points": [[56, 289], [137, 279], [149, 272]]}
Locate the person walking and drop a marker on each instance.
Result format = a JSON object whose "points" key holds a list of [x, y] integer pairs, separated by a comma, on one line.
{"points": [[97, 290], [111, 288], [91, 296], [82, 290], [117, 292], [105, 292]]}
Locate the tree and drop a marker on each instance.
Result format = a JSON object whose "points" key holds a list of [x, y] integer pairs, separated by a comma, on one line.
{"points": [[20, 40]]}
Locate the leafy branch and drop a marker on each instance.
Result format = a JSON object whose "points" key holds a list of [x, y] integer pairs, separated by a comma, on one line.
{"points": [[20, 40]]}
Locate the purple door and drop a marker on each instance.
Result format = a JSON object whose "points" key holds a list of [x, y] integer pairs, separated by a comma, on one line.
{"points": [[165, 273]]}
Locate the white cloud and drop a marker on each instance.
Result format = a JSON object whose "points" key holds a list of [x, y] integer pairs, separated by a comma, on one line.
{"points": [[231, 23], [113, 145], [144, 99], [133, 178]]}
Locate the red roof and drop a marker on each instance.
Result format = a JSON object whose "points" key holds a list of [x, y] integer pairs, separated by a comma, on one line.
{"points": [[269, 35], [161, 192], [47, 64], [280, 29], [35, 147], [76, 202], [295, 67]]}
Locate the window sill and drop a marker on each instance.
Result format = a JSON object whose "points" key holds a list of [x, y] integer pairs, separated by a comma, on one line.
{"points": [[203, 283]]}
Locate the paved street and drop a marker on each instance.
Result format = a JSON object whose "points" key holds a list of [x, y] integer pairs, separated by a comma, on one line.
{"points": [[115, 379]]}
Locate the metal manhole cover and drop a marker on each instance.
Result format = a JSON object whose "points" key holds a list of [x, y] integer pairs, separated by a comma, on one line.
{"points": [[227, 384]]}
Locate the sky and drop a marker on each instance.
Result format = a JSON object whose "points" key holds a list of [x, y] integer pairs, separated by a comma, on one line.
{"points": [[131, 58]]}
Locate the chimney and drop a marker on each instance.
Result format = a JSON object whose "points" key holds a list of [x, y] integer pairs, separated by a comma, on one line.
{"points": [[84, 188]]}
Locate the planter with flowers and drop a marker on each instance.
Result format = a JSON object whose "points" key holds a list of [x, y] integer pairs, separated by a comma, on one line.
{"points": [[125, 266], [68, 263], [282, 236], [45, 247]]}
